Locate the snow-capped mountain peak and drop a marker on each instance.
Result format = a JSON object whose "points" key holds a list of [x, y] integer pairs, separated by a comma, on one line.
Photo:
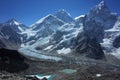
{"points": [[42, 19], [64, 15], [15, 25], [45, 19], [102, 7], [44, 27], [102, 4], [101, 15], [13, 22], [63, 11]]}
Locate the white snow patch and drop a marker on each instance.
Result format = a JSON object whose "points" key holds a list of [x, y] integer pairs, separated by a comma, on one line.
{"points": [[98, 75], [67, 27], [39, 21], [79, 17], [20, 28], [41, 77], [29, 33], [106, 42], [22, 45], [115, 52], [16, 22], [78, 31], [49, 47], [114, 29], [64, 51], [41, 41]]}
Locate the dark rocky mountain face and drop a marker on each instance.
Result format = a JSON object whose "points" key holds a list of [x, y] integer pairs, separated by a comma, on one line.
{"points": [[99, 19], [94, 29], [9, 38], [12, 61], [10, 34], [102, 15], [90, 47]]}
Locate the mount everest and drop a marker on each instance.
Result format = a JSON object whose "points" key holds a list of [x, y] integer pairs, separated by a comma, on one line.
{"points": [[93, 35]]}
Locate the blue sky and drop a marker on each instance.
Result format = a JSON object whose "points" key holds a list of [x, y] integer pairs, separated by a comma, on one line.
{"points": [[29, 11]]}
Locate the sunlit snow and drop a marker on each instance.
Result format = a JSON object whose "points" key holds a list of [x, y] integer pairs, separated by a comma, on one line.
{"points": [[64, 51]]}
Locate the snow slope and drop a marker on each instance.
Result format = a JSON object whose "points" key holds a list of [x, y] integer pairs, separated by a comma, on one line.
{"points": [[37, 55]]}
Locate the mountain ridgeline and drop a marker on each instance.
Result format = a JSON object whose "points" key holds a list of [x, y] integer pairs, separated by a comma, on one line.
{"points": [[93, 35]]}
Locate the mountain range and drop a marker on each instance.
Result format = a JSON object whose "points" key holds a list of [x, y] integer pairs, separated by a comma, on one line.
{"points": [[94, 35]]}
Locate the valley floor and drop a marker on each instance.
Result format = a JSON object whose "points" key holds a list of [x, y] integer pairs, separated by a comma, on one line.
{"points": [[80, 72]]}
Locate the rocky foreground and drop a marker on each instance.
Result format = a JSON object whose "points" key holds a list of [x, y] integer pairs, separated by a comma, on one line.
{"points": [[10, 76], [16, 68], [91, 73]]}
